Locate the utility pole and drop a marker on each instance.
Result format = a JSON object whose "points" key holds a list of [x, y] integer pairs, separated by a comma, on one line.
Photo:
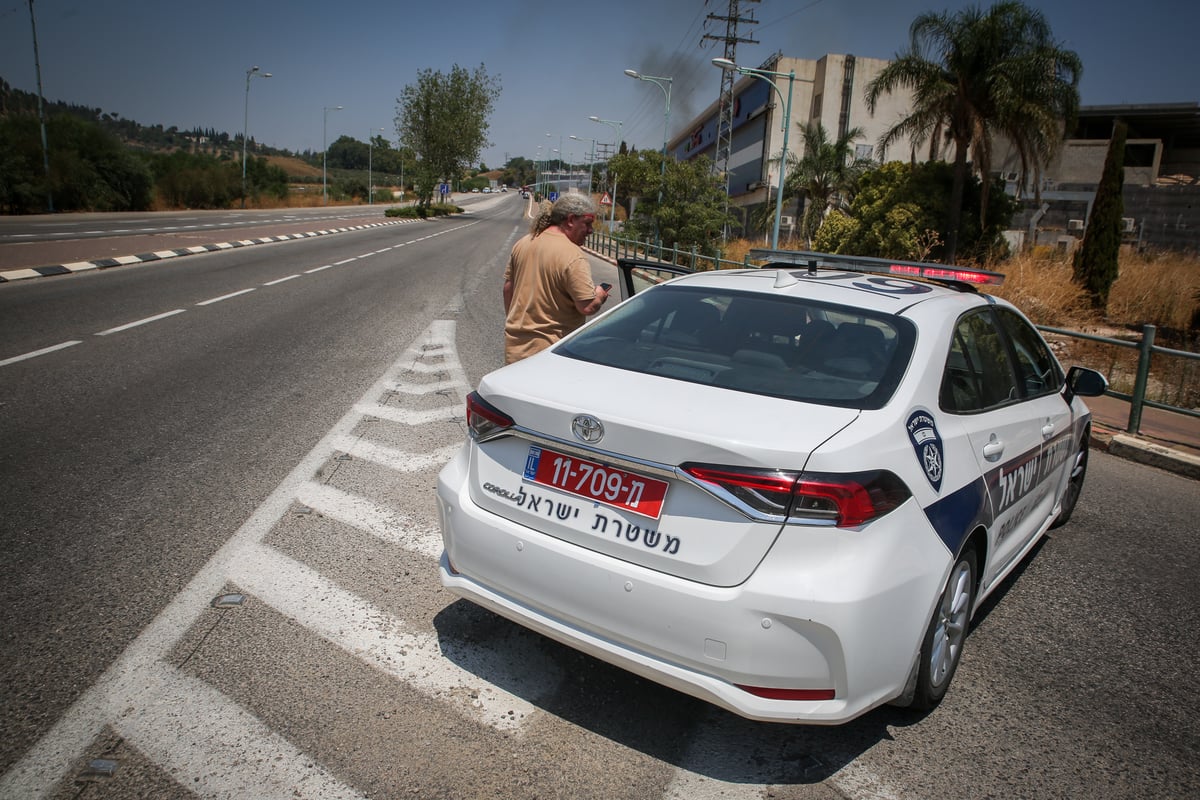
{"points": [[37, 66], [725, 113]]}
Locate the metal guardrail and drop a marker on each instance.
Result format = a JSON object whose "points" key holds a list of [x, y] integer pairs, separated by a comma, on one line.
{"points": [[1146, 348], [616, 247]]}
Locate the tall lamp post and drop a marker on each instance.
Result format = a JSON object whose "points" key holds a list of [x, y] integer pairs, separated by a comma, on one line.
{"points": [[250, 73], [665, 85], [37, 68], [370, 180], [591, 159], [324, 152], [616, 126], [537, 171], [558, 171], [767, 75]]}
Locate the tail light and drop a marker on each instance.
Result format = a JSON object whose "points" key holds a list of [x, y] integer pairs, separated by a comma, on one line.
{"points": [[484, 419], [847, 500]]}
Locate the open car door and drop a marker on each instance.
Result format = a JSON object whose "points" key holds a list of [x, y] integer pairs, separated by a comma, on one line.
{"points": [[638, 274]]}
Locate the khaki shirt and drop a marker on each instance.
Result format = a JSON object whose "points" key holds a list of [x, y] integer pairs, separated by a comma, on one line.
{"points": [[549, 274]]}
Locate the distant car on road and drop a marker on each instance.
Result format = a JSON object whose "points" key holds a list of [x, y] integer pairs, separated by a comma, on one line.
{"points": [[782, 490]]}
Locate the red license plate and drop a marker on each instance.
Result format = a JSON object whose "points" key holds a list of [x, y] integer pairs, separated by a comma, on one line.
{"points": [[597, 482]]}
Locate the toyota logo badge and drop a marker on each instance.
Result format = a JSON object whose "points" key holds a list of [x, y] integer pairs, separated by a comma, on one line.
{"points": [[587, 428]]}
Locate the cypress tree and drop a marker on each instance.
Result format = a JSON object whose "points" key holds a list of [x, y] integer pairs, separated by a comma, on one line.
{"points": [[1095, 267]]}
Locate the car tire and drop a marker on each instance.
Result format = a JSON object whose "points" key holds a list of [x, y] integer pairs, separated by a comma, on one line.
{"points": [[1074, 483], [946, 635]]}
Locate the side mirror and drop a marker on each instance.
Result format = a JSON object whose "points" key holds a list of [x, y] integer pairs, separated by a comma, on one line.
{"points": [[1085, 383]]}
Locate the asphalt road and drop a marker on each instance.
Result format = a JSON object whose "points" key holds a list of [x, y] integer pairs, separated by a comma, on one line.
{"points": [[267, 422]]}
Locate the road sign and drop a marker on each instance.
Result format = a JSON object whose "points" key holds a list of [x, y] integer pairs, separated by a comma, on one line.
{"points": [[553, 196], [606, 200], [444, 188]]}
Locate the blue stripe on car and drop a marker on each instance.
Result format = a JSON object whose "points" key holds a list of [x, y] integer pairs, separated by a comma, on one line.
{"points": [[957, 513]]}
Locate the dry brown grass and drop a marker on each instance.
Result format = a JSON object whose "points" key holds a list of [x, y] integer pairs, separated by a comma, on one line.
{"points": [[294, 167], [1158, 289], [1040, 284]]}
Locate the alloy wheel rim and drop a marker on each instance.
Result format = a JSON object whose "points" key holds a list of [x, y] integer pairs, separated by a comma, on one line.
{"points": [[951, 627]]}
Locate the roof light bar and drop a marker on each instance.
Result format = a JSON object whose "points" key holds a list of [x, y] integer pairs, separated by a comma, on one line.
{"points": [[907, 269]]}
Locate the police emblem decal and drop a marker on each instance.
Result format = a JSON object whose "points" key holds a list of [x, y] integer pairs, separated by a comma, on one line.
{"points": [[927, 444]]}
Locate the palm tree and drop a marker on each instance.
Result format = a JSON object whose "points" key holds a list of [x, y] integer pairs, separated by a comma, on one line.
{"points": [[827, 174], [997, 72]]}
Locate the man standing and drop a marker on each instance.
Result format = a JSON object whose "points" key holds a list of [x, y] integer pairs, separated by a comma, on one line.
{"points": [[548, 289]]}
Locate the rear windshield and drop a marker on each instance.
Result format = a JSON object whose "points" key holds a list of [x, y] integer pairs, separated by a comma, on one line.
{"points": [[779, 346]]}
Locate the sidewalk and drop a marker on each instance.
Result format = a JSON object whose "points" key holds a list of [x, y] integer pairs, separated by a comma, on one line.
{"points": [[1165, 439]]}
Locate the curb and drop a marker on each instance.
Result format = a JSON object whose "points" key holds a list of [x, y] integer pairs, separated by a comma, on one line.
{"points": [[1155, 455], [26, 273]]}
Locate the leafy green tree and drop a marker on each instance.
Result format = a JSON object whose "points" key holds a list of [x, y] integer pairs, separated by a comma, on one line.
{"points": [[264, 178], [347, 153], [691, 212], [519, 171], [900, 209], [638, 175], [826, 173], [1095, 266], [976, 74], [196, 180], [90, 169], [443, 119]]}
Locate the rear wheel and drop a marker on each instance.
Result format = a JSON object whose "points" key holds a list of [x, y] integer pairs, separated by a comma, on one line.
{"points": [[942, 648], [1074, 483]]}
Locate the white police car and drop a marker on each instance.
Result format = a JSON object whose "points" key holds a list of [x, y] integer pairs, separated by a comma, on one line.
{"points": [[782, 490]]}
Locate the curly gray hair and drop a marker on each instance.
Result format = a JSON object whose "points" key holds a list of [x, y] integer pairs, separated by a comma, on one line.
{"points": [[572, 203]]}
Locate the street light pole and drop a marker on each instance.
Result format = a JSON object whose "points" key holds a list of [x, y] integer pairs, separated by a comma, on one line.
{"points": [[324, 152], [559, 169], [664, 84], [37, 68], [250, 73], [766, 75], [591, 160], [370, 180], [616, 126]]}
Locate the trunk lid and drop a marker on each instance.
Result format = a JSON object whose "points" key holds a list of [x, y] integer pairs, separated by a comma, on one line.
{"points": [[601, 495]]}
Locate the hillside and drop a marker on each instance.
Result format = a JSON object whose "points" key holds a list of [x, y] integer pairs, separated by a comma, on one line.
{"points": [[294, 167]]}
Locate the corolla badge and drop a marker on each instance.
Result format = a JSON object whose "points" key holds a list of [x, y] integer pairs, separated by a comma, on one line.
{"points": [[587, 428], [927, 444]]}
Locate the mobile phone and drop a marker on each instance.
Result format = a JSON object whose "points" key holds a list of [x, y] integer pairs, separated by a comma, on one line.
{"points": [[606, 286]]}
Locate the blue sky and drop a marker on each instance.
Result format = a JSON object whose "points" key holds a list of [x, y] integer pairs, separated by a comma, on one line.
{"points": [[184, 63]]}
